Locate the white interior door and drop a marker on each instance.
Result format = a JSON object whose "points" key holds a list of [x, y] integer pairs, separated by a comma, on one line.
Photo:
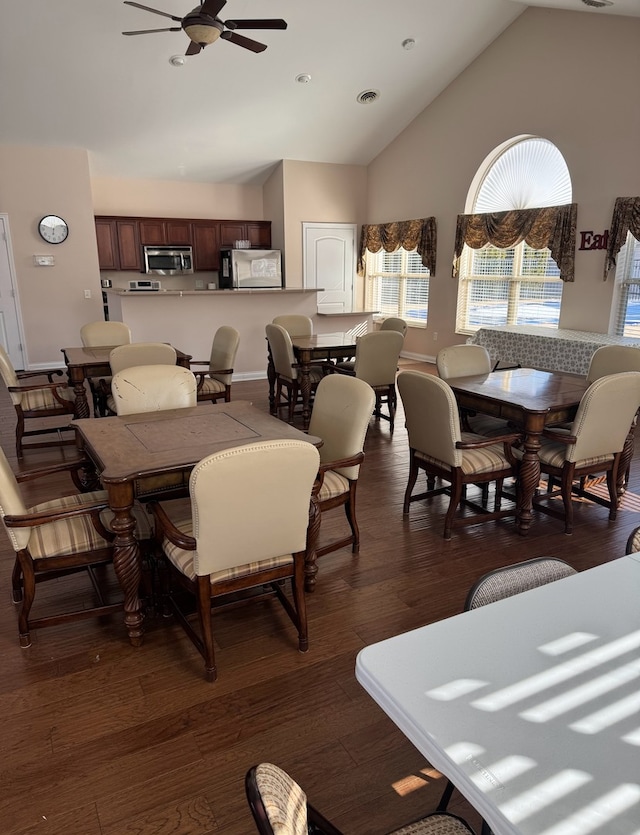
{"points": [[329, 259], [10, 322]]}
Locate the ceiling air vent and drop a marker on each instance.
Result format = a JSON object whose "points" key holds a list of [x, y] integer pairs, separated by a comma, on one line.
{"points": [[368, 96], [598, 4]]}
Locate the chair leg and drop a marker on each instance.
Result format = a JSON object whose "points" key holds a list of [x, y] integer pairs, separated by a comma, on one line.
{"points": [[612, 485], [350, 511], [446, 797], [16, 581], [567, 481], [413, 475], [456, 494], [29, 593], [19, 434], [203, 599], [300, 603], [392, 402]]}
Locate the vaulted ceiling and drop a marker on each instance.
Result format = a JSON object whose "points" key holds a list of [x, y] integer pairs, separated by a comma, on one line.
{"points": [[228, 115]]}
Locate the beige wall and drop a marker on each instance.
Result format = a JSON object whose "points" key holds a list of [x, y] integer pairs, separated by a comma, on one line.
{"points": [[273, 197], [570, 77], [35, 182], [167, 198], [316, 192]]}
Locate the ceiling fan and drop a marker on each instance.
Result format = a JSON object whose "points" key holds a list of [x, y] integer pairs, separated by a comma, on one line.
{"points": [[203, 26]]}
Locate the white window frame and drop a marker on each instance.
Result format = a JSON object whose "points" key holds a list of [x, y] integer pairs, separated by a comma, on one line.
{"points": [[374, 276], [515, 305], [626, 282]]}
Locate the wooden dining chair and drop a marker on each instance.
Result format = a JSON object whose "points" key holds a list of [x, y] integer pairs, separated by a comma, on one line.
{"points": [[215, 383], [593, 444], [394, 323], [280, 807], [37, 401], [56, 538], [286, 370], [153, 388], [340, 416], [295, 324], [439, 447], [376, 363], [246, 528], [103, 334], [136, 353]]}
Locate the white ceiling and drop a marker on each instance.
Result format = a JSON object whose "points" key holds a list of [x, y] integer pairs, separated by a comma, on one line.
{"points": [[69, 78]]}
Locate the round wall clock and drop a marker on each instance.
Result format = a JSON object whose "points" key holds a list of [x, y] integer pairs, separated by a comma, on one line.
{"points": [[53, 229]]}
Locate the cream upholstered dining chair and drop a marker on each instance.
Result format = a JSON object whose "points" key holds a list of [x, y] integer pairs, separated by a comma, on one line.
{"points": [[394, 323], [284, 364], [153, 388], [376, 363], [246, 527], [467, 360], [295, 324], [103, 334], [593, 444], [437, 446], [55, 538], [136, 353], [505, 582], [280, 807], [215, 383], [340, 416], [34, 401]]}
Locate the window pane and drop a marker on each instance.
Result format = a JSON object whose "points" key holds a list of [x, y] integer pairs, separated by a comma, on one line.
{"points": [[631, 300], [415, 265], [416, 300], [392, 262], [487, 303], [538, 262], [539, 303], [398, 285], [492, 261]]}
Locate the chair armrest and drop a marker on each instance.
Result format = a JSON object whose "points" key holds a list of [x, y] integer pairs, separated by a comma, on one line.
{"points": [[559, 437], [37, 386], [165, 527], [198, 362], [39, 472], [45, 372], [498, 439], [32, 520], [352, 461]]}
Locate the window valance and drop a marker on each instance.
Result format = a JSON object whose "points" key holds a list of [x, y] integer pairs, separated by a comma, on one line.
{"points": [[626, 218], [553, 227], [408, 234]]}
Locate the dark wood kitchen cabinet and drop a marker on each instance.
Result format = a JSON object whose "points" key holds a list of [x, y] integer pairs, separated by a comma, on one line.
{"points": [[121, 239], [165, 232], [206, 245], [118, 244]]}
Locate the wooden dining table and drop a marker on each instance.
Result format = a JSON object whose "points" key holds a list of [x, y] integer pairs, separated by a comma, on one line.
{"points": [[152, 454], [531, 399], [308, 351], [84, 362]]}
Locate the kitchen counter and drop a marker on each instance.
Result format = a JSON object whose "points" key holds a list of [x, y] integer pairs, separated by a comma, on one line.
{"points": [[189, 319]]}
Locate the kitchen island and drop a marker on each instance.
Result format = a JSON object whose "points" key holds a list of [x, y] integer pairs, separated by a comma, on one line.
{"points": [[190, 318]]}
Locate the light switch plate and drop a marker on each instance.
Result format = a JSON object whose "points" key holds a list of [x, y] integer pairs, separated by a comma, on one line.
{"points": [[44, 260]]}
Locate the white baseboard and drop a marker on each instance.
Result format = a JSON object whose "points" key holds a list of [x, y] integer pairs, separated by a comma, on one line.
{"points": [[408, 355]]}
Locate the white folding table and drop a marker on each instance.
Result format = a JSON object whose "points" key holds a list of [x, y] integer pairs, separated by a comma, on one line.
{"points": [[530, 705]]}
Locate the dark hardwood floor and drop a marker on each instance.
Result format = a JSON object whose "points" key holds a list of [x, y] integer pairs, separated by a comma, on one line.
{"points": [[99, 738]]}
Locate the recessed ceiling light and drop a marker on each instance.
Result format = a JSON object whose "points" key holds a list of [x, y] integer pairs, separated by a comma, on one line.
{"points": [[368, 96], [303, 78], [598, 4], [408, 43]]}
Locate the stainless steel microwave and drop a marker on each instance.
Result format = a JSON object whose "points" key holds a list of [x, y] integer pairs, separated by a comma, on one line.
{"points": [[168, 260]]}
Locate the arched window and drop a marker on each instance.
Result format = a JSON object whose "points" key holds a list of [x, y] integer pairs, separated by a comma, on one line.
{"points": [[519, 285]]}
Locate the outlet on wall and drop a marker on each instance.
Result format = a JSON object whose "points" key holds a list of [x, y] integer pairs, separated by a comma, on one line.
{"points": [[87, 294], [199, 284], [435, 336]]}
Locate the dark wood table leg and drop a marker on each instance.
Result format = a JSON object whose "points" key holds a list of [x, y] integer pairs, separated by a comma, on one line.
{"points": [[305, 391], [127, 558], [625, 463], [81, 407], [528, 481]]}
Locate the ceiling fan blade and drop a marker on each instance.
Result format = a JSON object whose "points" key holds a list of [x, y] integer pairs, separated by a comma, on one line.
{"points": [[148, 31], [149, 9], [247, 43], [212, 7], [193, 48], [264, 23]]}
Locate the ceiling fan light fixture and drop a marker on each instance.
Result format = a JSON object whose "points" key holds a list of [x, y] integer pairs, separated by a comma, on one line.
{"points": [[368, 96], [203, 33]]}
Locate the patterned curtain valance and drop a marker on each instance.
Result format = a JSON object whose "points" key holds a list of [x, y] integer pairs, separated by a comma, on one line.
{"points": [[626, 218], [408, 234], [553, 227]]}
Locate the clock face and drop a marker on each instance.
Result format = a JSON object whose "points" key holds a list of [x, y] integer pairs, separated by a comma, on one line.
{"points": [[53, 229]]}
